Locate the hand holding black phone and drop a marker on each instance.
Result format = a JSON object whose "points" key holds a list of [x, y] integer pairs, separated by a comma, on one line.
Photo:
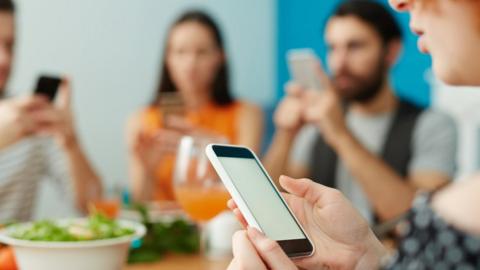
{"points": [[48, 86]]}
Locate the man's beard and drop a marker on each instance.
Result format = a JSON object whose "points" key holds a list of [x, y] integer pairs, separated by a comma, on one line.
{"points": [[363, 90]]}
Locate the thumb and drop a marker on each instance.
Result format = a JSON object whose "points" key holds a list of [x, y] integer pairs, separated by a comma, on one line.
{"points": [[306, 188], [270, 251], [65, 93], [322, 76], [293, 89]]}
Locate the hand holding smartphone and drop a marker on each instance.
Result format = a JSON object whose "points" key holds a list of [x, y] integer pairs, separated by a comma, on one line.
{"points": [[258, 198], [48, 86], [304, 67]]}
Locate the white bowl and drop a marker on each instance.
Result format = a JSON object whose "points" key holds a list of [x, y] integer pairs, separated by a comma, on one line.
{"points": [[108, 254]]}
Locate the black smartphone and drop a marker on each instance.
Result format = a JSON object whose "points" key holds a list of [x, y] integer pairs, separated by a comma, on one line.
{"points": [[48, 86]]}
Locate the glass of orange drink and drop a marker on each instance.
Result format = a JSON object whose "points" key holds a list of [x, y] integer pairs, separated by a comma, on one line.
{"points": [[198, 190]]}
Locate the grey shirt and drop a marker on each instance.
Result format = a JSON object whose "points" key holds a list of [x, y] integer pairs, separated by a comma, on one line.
{"points": [[434, 148], [22, 168]]}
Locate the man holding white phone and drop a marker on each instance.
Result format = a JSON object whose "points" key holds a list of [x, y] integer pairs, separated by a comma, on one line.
{"points": [[356, 135]]}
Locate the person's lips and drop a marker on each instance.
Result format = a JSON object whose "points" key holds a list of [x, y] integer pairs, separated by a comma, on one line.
{"points": [[344, 80], [422, 45]]}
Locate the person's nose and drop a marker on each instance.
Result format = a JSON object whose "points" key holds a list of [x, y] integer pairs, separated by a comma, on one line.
{"points": [[338, 60], [189, 62], [401, 5]]}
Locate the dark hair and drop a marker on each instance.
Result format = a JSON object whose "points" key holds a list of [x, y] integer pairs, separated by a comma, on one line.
{"points": [[221, 89], [374, 14], [7, 6]]}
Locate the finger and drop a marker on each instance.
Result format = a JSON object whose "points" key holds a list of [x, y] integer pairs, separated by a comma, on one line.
{"points": [[231, 204], [305, 188], [313, 114], [312, 95], [31, 102], [240, 218], [246, 257], [47, 116], [178, 123], [233, 265], [270, 251], [65, 94], [167, 137], [28, 127], [322, 75], [294, 89], [238, 214]]}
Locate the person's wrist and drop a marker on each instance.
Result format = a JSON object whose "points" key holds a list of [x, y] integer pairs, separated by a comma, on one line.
{"points": [[285, 133], [341, 140], [289, 131], [374, 254], [70, 142]]}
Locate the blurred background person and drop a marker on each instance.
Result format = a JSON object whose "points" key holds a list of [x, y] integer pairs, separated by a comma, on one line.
{"points": [[356, 134], [42, 141], [193, 97]]}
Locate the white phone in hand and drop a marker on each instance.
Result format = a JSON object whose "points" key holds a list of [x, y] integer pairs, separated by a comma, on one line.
{"points": [[258, 198], [303, 68]]}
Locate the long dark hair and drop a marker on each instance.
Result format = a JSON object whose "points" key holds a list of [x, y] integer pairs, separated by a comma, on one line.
{"points": [[221, 89]]}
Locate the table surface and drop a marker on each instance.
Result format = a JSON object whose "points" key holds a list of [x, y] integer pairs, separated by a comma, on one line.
{"points": [[181, 262]]}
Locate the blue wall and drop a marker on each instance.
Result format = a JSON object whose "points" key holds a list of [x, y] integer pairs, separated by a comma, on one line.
{"points": [[300, 25]]}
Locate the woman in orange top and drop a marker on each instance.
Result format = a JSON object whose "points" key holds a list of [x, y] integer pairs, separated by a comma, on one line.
{"points": [[195, 76]]}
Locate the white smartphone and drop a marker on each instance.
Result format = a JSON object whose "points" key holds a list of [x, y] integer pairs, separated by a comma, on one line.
{"points": [[302, 65], [258, 198]]}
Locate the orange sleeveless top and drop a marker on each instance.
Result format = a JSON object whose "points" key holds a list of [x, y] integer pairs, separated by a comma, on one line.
{"points": [[221, 120]]}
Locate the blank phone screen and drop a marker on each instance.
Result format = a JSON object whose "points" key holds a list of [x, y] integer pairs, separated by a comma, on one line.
{"points": [[262, 199]]}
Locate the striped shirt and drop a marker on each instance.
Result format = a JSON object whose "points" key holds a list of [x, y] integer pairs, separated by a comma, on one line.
{"points": [[22, 168]]}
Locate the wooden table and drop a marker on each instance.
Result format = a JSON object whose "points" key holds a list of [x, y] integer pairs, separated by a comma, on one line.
{"points": [[182, 262]]}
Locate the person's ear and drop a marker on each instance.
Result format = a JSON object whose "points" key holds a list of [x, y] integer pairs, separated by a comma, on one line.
{"points": [[393, 51]]}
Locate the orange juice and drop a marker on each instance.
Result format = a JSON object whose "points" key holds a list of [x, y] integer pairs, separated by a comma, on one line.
{"points": [[109, 208], [202, 203]]}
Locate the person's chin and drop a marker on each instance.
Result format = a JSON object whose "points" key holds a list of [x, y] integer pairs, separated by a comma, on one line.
{"points": [[448, 75], [346, 94]]}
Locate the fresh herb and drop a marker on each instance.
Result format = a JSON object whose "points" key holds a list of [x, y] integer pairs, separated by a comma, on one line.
{"points": [[178, 236]]}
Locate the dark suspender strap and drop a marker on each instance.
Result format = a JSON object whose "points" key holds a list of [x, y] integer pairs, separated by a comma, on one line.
{"points": [[323, 165], [397, 149]]}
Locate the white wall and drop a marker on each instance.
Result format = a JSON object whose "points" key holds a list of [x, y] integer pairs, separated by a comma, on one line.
{"points": [[112, 50]]}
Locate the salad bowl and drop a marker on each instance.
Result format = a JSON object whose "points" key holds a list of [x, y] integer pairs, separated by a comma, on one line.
{"points": [[72, 244]]}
